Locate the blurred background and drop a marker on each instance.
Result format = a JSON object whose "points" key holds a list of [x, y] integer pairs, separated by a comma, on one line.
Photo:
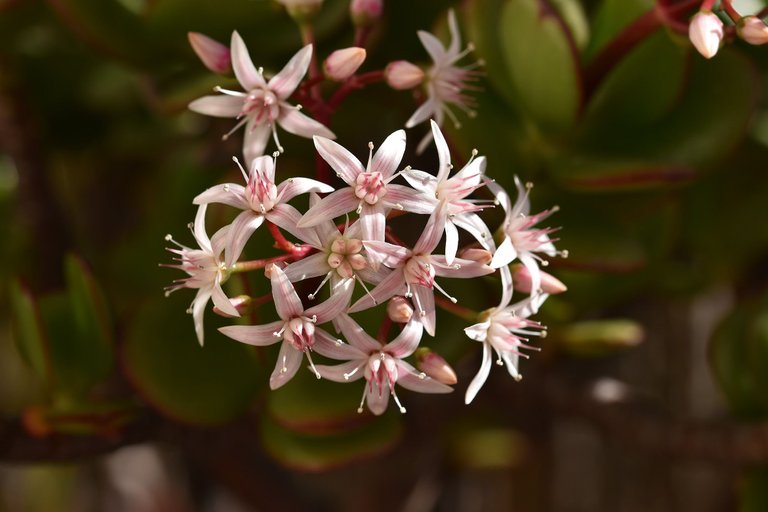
{"points": [[650, 392]]}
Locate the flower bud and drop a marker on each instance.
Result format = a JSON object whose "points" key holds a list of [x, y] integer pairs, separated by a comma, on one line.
{"points": [[365, 12], [342, 64], [402, 75], [242, 303], [214, 55], [476, 254], [521, 278], [399, 309], [301, 10], [753, 30], [435, 366], [706, 33]]}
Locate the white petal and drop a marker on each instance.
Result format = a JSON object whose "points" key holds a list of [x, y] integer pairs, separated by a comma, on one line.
{"points": [[433, 46], [356, 335], [390, 255], [373, 222], [255, 140], [326, 345], [288, 362], [432, 233], [426, 298], [410, 378], [287, 303], [312, 266], [344, 163], [501, 196], [258, 335], [451, 242], [426, 110], [505, 254], [511, 361], [403, 198], [391, 285], [387, 157], [466, 268], [244, 69], [239, 233], [335, 305], [474, 225], [337, 373], [421, 181], [198, 312], [221, 301], [378, 398], [481, 377], [218, 106], [335, 205], [506, 286], [453, 28], [443, 153], [201, 236], [228, 193], [302, 125], [478, 332], [407, 341], [287, 217], [285, 82]]}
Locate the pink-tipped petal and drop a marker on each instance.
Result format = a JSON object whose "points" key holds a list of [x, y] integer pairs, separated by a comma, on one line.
{"points": [[426, 298], [373, 222], [401, 197], [387, 157], [335, 205], [258, 335], [218, 106], [312, 266], [390, 255], [481, 377], [287, 303], [432, 233], [228, 193], [393, 284], [407, 341], [214, 55], [335, 305], [328, 346], [239, 233], [287, 217], [344, 163], [460, 268], [293, 187], [410, 378], [285, 82], [356, 335], [288, 362], [302, 125], [337, 373], [245, 71]]}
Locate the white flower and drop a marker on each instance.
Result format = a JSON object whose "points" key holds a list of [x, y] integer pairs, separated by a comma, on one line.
{"points": [[706, 33], [264, 104], [206, 270], [446, 83]]}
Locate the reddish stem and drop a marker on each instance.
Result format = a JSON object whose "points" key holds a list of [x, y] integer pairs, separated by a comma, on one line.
{"points": [[280, 241], [460, 311], [299, 252], [732, 13], [353, 83], [383, 335]]}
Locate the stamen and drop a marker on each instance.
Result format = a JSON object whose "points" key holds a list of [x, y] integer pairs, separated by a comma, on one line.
{"points": [[277, 139], [397, 401], [440, 289], [240, 166], [233, 130], [279, 334], [362, 400], [366, 289], [348, 375], [312, 364], [239, 94], [312, 296]]}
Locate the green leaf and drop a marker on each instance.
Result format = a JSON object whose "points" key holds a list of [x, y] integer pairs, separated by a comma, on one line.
{"points": [[29, 332], [323, 452], [739, 357], [612, 16], [543, 63], [203, 385], [597, 337], [754, 490]]}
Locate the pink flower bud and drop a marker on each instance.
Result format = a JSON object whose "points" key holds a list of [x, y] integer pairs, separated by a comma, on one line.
{"points": [[242, 303], [214, 55], [342, 64], [399, 309], [753, 30], [402, 75], [521, 278], [476, 254], [706, 33], [435, 366], [365, 12]]}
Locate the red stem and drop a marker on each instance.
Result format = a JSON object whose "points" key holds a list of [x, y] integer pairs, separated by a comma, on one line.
{"points": [[353, 83], [728, 8], [455, 309], [299, 252], [280, 241]]}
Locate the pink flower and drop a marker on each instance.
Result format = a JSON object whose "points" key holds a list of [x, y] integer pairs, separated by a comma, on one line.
{"points": [[297, 327], [753, 30], [261, 200], [206, 271], [214, 55], [446, 82], [403, 75], [382, 366], [370, 190], [263, 105], [706, 33], [453, 191], [415, 270], [504, 330], [522, 240], [343, 63]]}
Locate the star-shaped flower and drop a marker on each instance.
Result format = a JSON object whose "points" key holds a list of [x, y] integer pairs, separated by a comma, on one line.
{"points": [[370, 190], [207, 272], [297, 327], [382, 366], [263, 104]]}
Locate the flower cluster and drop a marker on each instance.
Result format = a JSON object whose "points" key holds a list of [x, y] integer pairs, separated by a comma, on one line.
{"points": [[707, 32], [347, 248]]}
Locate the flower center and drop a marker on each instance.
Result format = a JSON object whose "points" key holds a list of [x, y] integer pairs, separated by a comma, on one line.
{"points": [[262, 193], [370, 187], [263, 105], [345, 256], [418, 270], [300, 332]]}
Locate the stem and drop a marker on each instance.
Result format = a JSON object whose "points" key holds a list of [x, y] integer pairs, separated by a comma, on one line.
{"points": [[353, 83], [361, 36], [460, 311], [728, 8], [298, 253], [383, 334], [280, 241]]}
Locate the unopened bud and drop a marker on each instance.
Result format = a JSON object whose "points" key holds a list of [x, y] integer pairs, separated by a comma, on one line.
{"points": [[342, 64], [402, 75], [365, 12], [521, 278], [753, 30], [706, 33], [476, 254], [399, 309], [302, 10], [435, 366], [214, 55], [242, 303]]}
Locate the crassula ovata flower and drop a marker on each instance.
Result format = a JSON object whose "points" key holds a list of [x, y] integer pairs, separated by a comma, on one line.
{"points": [[214, 55], [343, 63], [263, 105], [706, 33], [402, 75], [752, 30], [382, 366]]}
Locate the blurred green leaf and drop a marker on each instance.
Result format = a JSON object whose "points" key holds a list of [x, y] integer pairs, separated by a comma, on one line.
{"points": [[597, 337], [204, 385], [29, 332], [754, 490], [739, 357], [323, 452], [543, 63], [611, 17]]}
